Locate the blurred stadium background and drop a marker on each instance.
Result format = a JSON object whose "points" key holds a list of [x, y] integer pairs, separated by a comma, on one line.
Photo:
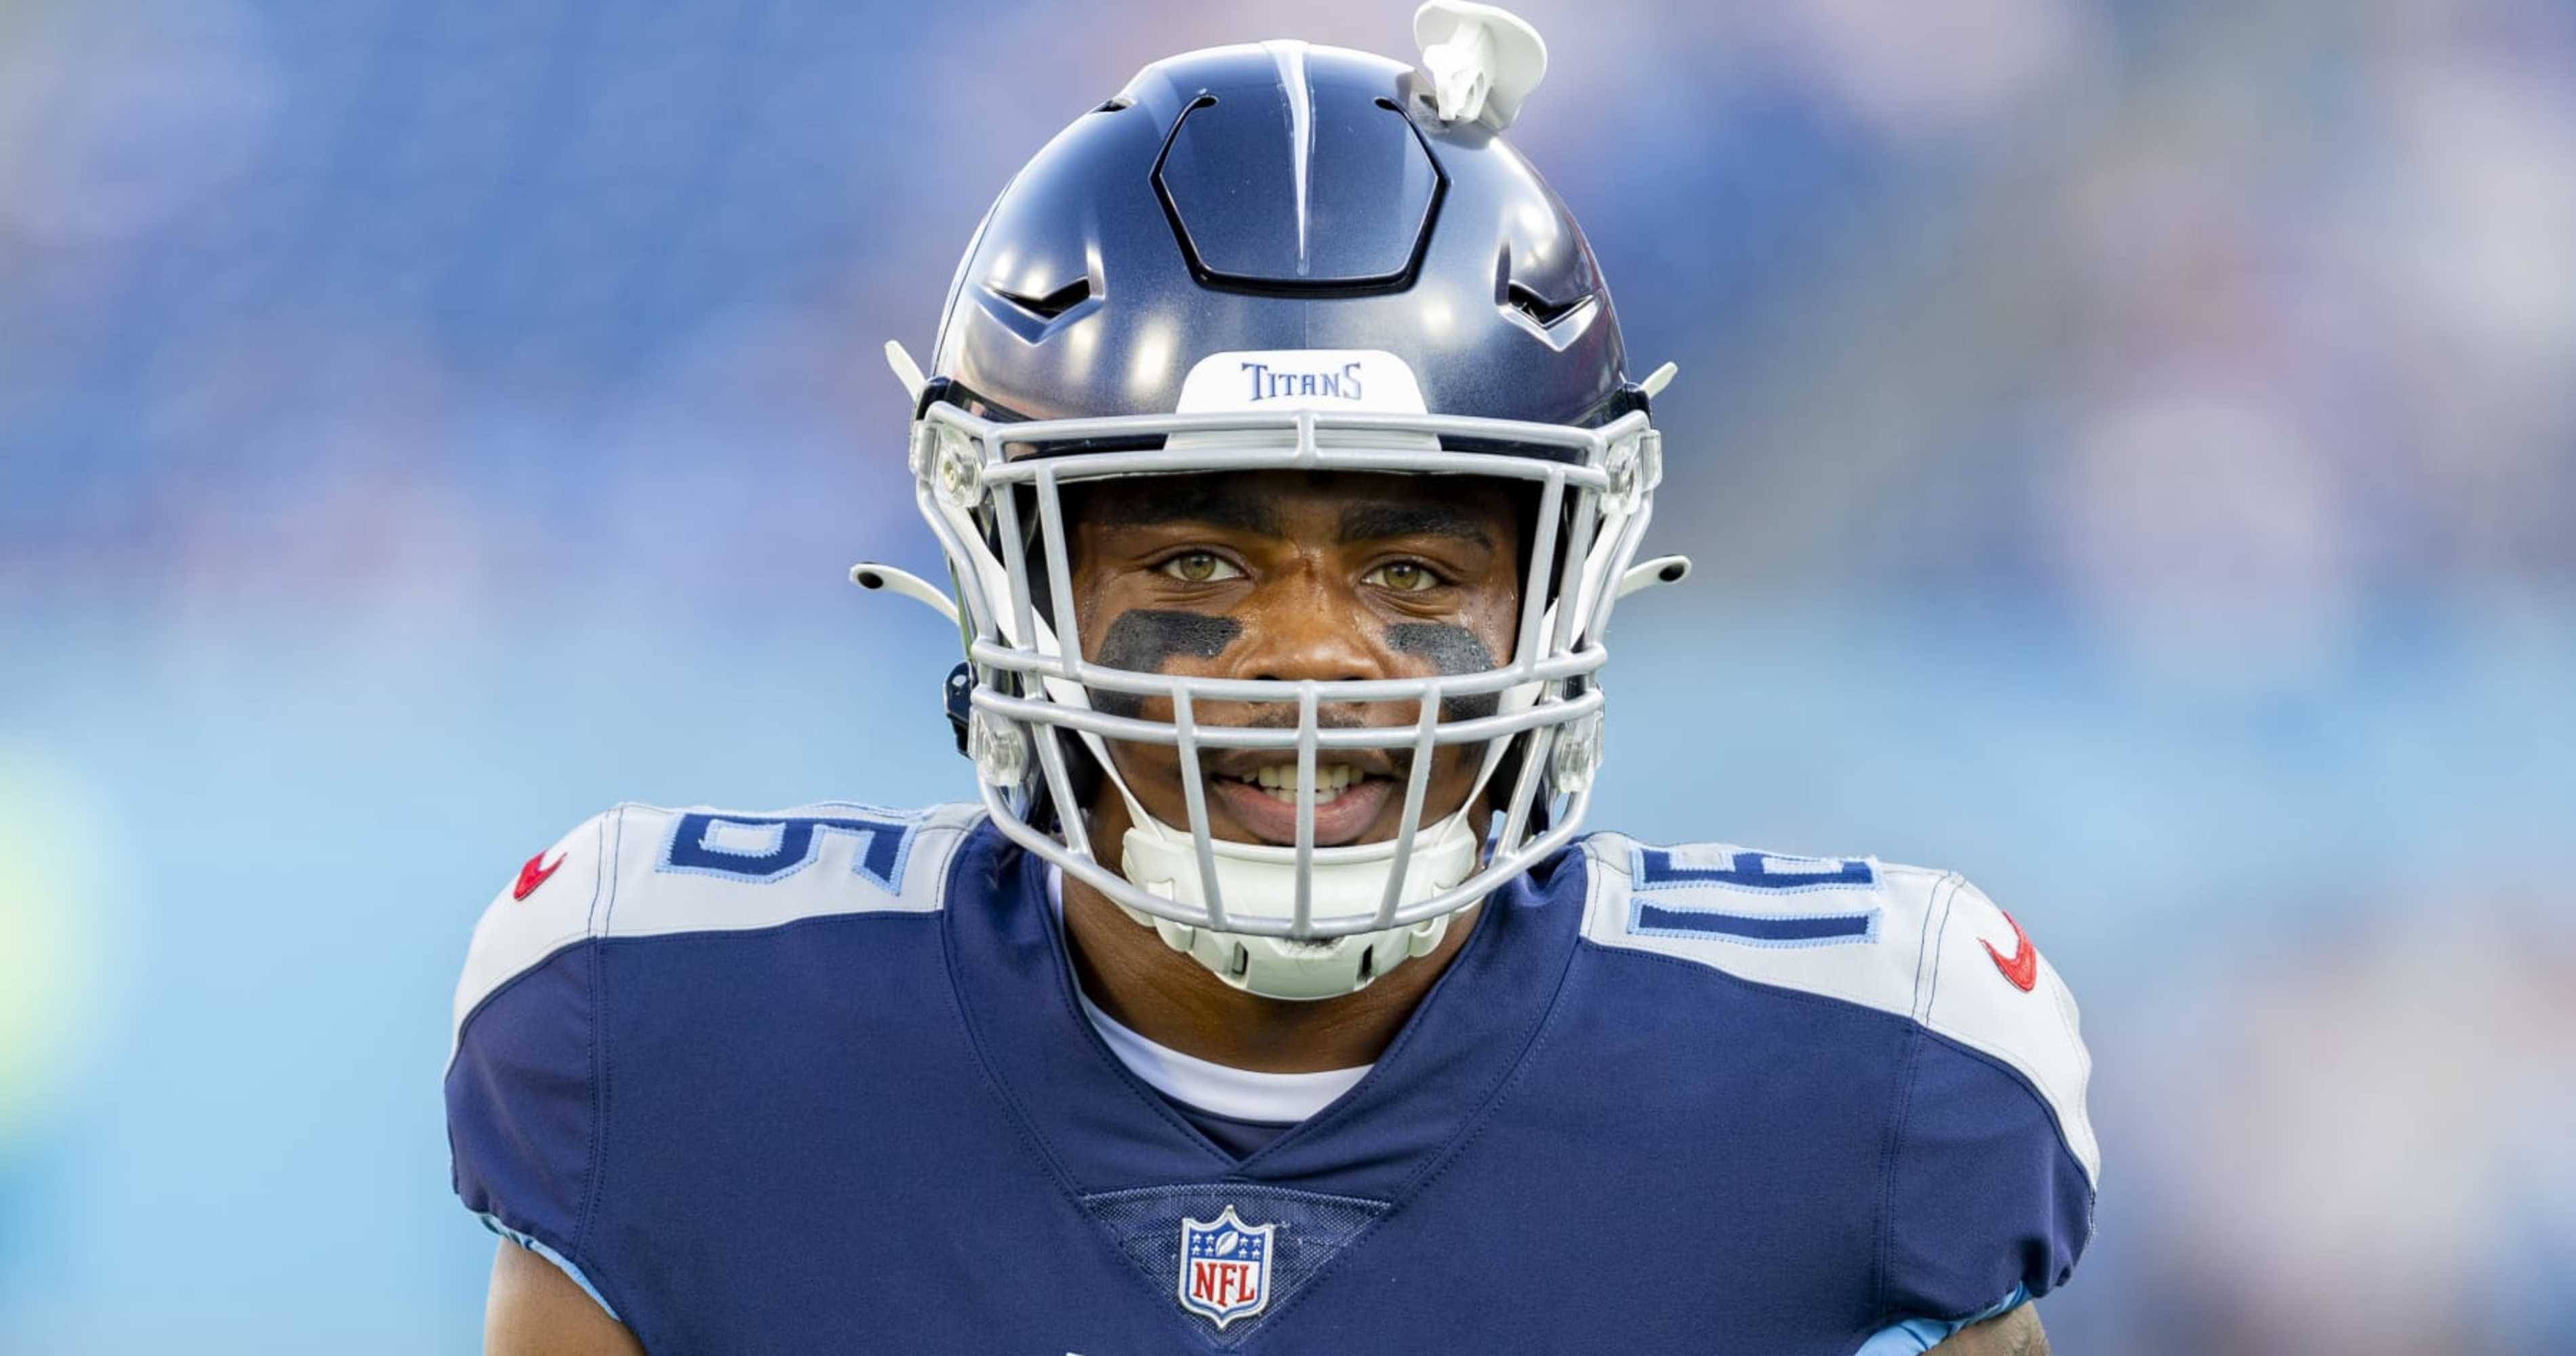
{"points": [[2129, 447]]}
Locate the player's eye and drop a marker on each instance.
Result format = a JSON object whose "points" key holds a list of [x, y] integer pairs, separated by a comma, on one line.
{"points": [[1403, 576], [1200, 567]]}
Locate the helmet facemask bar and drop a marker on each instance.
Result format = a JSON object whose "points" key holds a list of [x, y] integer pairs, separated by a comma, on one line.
{"points": [[1309, 696], [1593, 488]]}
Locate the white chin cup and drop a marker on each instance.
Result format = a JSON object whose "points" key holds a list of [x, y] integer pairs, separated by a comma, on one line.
{"points": [[1256, 881]]}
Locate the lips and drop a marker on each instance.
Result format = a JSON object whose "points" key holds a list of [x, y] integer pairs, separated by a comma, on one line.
{"points": [[1250, 764], [1343, 819]]}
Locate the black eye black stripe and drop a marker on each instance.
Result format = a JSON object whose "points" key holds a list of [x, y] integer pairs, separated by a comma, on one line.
{"points": [[1452, 650], [1144, 640]]}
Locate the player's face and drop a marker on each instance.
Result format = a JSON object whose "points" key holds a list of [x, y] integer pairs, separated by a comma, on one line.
{"points": [[1293, 575]]}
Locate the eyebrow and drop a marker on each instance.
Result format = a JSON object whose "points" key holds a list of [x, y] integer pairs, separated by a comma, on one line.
{"points": [[1209, 502], [1376, 522], [1215, 503]]}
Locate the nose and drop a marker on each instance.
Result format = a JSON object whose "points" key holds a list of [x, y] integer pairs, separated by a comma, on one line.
{"points": [[1303, 626]]}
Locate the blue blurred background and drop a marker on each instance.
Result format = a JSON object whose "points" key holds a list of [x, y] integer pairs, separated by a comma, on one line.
{"points": [[2129, 449]]}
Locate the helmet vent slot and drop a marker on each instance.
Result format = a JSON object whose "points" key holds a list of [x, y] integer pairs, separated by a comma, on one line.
{"points": [[1054, 304], [1526, 300]]}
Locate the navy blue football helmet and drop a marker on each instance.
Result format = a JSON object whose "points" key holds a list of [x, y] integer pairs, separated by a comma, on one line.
{"points": [[1282, 256]]}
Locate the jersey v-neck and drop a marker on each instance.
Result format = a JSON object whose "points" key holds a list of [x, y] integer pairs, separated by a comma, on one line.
{"points": [[1105, 1127], [1254, 1097]]}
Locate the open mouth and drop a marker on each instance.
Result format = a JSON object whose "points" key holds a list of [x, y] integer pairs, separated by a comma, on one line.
{"points": [[1263, 800], [1331, 779]]}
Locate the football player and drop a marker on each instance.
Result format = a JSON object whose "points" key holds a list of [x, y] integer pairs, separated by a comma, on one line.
{"points": [[1282, 446]]}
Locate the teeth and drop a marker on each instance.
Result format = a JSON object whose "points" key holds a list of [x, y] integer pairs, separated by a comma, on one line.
{"points": [[1331, 779]]}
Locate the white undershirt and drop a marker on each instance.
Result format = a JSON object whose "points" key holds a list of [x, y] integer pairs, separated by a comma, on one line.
{"points": [[1242, 1094]]}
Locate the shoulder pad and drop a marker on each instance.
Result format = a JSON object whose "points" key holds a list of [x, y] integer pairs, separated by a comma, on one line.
{"points": [[642, 871], [1923, 944]]}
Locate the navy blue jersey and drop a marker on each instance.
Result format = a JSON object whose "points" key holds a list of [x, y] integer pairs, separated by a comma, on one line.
{"points": [[820, 1081]]}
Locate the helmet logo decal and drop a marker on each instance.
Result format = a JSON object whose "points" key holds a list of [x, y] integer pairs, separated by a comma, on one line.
{"points": [[1271, 383], [1327, 378], [1143, 640]]}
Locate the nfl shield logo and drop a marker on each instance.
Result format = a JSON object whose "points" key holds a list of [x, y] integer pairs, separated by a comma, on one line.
{"points": [[1225, 1267]]}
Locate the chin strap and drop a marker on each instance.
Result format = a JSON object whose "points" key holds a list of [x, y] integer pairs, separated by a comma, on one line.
{"points": [[1344, 880]]}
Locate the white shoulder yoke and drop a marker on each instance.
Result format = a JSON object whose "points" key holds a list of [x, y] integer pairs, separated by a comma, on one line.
{"points": [[643, 871], [1923, 944]]}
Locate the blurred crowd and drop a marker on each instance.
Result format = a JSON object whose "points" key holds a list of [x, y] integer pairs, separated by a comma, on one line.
{"points": [[2150, 414]]}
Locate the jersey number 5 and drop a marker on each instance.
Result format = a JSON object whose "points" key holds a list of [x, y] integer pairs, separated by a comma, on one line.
{"points": [[773, 847]]}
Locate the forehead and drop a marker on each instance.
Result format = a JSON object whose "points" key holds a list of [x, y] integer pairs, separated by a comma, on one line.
{"points": [[1307, 505]]}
